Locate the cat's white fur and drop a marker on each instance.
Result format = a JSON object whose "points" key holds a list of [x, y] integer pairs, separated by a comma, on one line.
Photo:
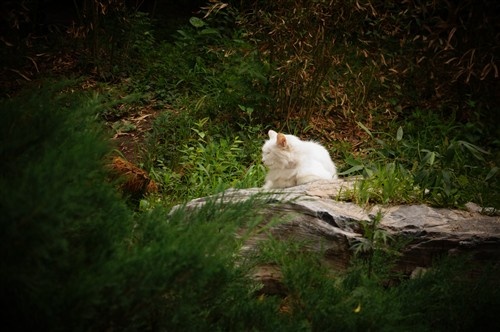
{"points": [[292, 161]]}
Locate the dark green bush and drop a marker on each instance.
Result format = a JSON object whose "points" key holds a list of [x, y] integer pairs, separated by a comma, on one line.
{"points": [[75, 258], [61, 219]]}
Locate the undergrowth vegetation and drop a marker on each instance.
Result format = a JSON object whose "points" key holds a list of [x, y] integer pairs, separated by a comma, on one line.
{"points": [[231, 77], [432, 164], [76, 257], [403, 95]]}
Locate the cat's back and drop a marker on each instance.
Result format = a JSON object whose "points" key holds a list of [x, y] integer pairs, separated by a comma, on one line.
{"points": [[310, 152], [310, 148]]}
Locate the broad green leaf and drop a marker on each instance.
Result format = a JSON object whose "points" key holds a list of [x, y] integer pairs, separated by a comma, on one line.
{"points": [[182, 33], [196, 22], [369, 172], [432, 158], [429, 157], [473, 147], [399, 135], [352, 170], [491, 173], [209, 31], [353, 162]]}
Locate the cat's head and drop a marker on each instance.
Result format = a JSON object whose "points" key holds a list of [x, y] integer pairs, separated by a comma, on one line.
{"points": [[277, 151]]}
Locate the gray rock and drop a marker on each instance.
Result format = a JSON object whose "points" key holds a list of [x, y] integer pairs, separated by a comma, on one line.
{"points": [[312, 214]]}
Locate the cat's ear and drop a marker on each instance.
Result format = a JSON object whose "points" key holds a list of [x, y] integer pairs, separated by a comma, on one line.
{"points": [[281, 140], [272, 134]]}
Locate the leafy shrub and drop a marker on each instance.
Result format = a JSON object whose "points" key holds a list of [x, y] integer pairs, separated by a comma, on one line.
{"points": [[207, 163], [178, 271], [61, 219], [75, 258], [432, 164], [305, 45], [207, 70]]}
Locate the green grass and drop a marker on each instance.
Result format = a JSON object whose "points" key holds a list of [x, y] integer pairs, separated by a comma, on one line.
{"points": [[205, 162], [432, 164]]}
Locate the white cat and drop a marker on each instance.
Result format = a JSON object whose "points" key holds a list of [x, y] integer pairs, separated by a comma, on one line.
{"points": [[292, 161]]}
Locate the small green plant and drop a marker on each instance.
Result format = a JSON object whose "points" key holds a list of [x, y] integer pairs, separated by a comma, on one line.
{"points": [[386, 178], [210, 165], [450, 176], [375, 241], [391, 183]]}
